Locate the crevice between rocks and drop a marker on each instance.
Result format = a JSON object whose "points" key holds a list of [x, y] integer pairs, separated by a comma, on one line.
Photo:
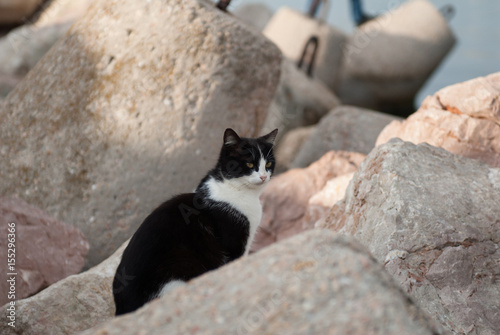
{"points": [[465, 243]]}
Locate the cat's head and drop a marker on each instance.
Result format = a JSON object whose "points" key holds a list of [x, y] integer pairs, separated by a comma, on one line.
{"points": [[248, 162]]}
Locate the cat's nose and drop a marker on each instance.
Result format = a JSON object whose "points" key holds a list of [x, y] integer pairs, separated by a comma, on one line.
{"points": [[263, 178]]}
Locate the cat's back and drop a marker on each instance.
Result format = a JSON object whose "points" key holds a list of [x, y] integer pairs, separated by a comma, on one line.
{"points": [[165, 227], [180, 228], [171, 244]]}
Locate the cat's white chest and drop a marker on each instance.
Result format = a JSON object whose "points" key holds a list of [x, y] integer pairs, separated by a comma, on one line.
{"points": [[246, 201], [252, 209]]}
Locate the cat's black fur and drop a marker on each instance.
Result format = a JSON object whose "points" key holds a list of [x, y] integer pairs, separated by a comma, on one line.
{"points": [[191, 233]]}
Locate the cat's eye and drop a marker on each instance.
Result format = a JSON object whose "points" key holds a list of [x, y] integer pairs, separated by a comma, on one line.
{"points": [[250, 165], [268, 165]]}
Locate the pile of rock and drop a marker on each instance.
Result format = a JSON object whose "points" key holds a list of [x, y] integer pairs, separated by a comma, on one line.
{"points": [[432, 218], [332, 286], [462, 118], [124, 112], [127, 109]]}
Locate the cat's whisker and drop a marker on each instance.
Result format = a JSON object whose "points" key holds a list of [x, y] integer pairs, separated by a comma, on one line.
{"points": [[253, 154], [269, 152], [242, 186]]}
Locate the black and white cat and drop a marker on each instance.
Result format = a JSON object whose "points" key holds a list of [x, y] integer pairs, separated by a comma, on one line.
{"points": [[193, 233]]}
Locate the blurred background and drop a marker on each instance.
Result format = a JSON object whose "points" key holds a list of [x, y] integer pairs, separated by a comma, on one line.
{"points": [[475, 24]]}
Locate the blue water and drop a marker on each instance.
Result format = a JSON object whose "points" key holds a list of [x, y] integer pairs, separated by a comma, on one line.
{"points": [[476, 25]]}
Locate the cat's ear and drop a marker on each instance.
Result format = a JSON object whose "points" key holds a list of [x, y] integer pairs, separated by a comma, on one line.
{"points": [[269, 138], [230, 137]]}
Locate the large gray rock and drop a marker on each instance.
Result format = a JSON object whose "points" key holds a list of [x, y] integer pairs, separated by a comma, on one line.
{"points": [[432, 218], [345, 128], [316, 283], [129, 108], [45, 250], [463, 118], [69, 306]]}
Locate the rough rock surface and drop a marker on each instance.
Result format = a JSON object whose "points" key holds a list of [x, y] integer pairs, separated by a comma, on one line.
{"points": [[46, 250], [344, 128], [478, 98], [14, 11], [69, 306], [284, 200], [463, 118], [332, 286], [129, 108], [299, 100], [289, 145], [432, 218]]}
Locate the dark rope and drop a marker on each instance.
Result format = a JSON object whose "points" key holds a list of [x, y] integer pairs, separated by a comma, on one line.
{"points": [[313, 42], [313, 9], [358, 14], [223, 4]]}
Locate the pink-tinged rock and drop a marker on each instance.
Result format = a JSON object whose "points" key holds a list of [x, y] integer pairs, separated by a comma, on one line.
{"points": [[320, 203], [46, 250], [71, 305], [462, 118], [479, 98], [433, 218], [285, 199]]}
